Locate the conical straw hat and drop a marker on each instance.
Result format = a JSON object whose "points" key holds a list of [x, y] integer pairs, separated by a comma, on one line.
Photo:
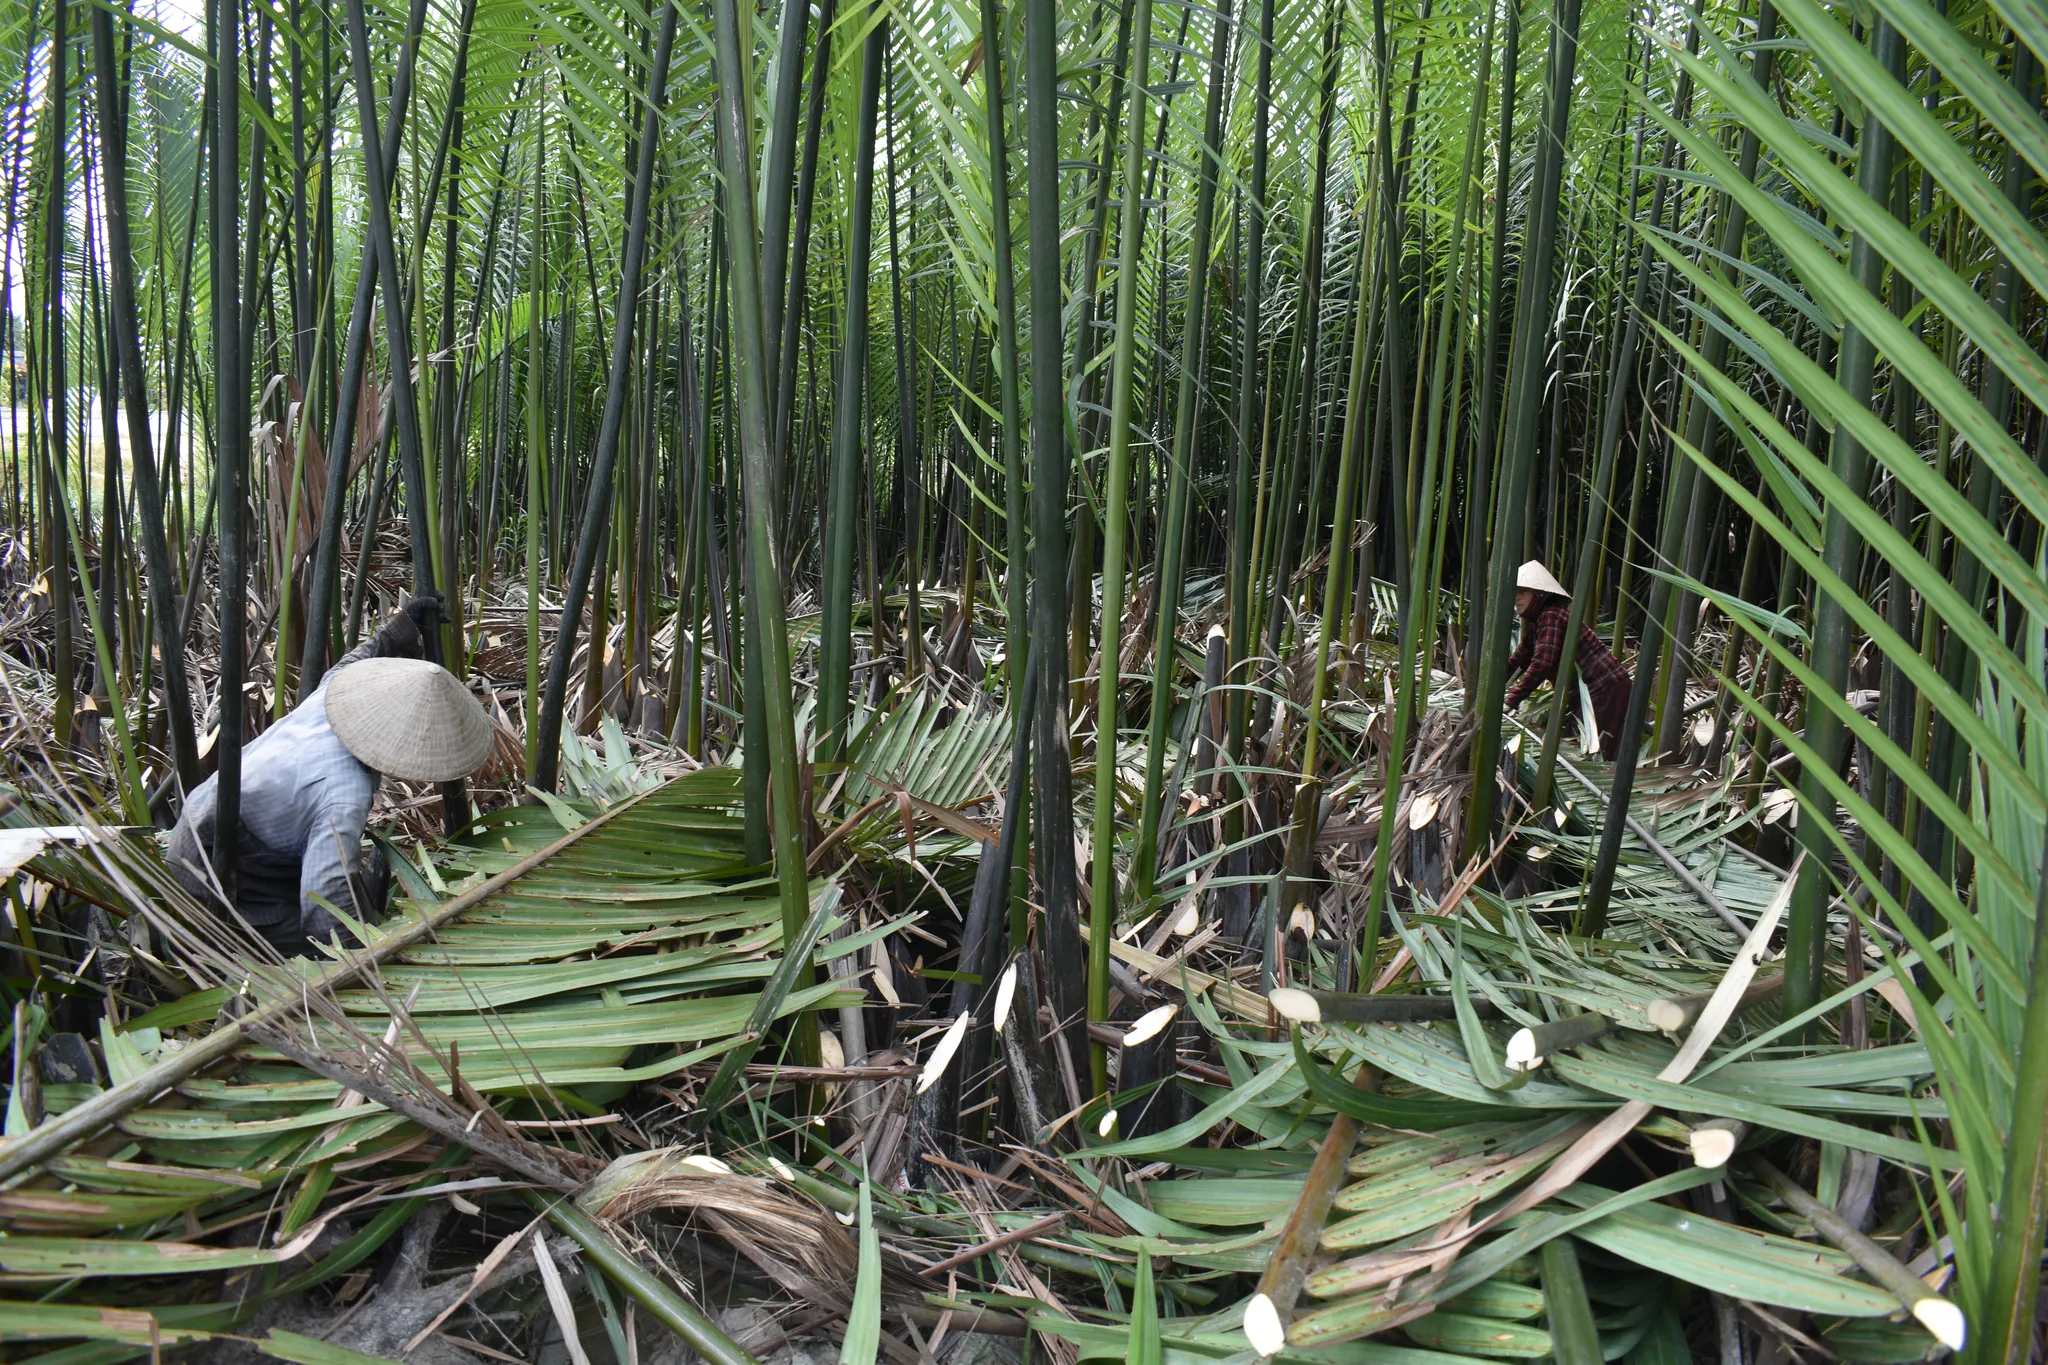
{"points": [[408, 718], [1534, 575]]}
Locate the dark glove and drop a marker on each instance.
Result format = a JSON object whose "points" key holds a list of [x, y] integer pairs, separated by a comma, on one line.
{"points": [[426, 611], [401, 637], [397, 638], [404, 636]]}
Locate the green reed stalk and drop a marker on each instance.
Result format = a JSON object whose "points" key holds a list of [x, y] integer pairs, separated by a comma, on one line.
{"points": [[1173, 535], [231, 453], [1856, 371], [1010, 393], [1115, 531], [1671, 533], [749, 355], [1593, 543], [598, 492], [1519, 434], [1417, 609], [536, 433], [1052, 776], [835, 629], [162, 575]]}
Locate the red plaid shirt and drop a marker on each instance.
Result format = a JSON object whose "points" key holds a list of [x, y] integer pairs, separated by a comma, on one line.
{"points": [[1542, 646]]}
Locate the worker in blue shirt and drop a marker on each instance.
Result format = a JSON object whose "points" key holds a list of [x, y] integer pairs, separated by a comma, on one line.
{"points": [[308, 780]]}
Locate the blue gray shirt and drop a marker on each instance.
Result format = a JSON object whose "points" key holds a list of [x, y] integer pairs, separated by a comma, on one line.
{"points": [[305, 802]]}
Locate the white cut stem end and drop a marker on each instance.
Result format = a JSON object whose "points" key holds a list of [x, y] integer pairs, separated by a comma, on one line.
{"points": [[1297, 1006], [1262, 1326], [1942, 1318], [1005, 990], [1667, 1016], [935, 1067], [1711, 1147], [1150, 1024]]}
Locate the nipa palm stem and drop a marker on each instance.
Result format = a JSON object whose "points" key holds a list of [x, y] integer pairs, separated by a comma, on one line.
{"points": [[1115, 530], [749, 355], [1173, 535]]}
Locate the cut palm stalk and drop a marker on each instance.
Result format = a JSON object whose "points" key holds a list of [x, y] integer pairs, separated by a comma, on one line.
{"points": [[1596, 1141], [1528, 1047], [1319, 1007], [1932, 1311], [1678, 1012], [1714, 1141], [1302, 827], [1294, 1253]]}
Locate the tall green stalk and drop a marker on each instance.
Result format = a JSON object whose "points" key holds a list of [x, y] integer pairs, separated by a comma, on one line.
{"points": [[1520, 417], [323, 591], [784, 388], [231, 423], [1593, 546], [835, 630], [1946, 752], [399, 343], [1486, 436], [780, 177], [1010, 402], [1349, 444], [1052, 776], [1250, 419], [749, 354], [536, 433], [1671, 535], [598, 500], [1415, 610], [1856, 370], [162, 576], [1173, 535], [1115, 531]]}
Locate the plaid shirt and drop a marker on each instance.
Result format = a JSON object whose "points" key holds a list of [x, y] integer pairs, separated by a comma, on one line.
{"points": [[1542, 646]]}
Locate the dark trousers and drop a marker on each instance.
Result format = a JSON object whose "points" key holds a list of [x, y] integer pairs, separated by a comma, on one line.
{"points": [[267, 889], [1610, 712]]}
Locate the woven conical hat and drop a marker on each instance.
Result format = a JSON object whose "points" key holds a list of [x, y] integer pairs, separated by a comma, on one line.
{"points": [[408, 718], [1534, 575]]}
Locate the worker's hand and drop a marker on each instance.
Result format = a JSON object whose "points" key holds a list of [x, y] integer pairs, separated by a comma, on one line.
{"points": [[426, 611], [404, 636], [398, 638]]}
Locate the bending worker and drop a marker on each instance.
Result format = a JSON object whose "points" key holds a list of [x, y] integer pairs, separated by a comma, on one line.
{"points": [[307, 782], [1545, 608]]}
